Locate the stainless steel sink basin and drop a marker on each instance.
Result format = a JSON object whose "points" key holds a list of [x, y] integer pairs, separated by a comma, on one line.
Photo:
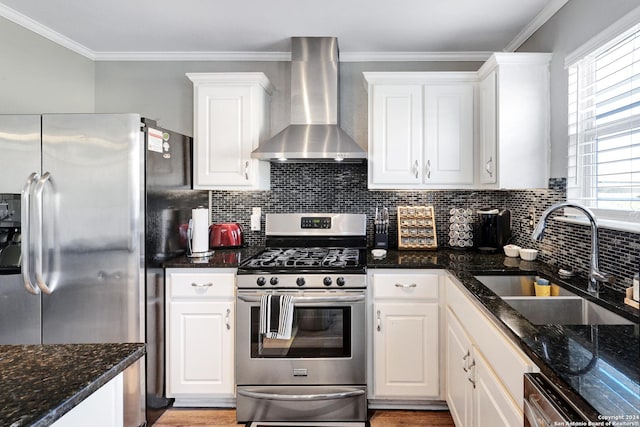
{"points": [[563, 308], [564, 311], [516, 286]]}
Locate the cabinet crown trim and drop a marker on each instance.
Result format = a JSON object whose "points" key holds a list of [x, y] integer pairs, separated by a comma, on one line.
{"points": [[232, 79]]}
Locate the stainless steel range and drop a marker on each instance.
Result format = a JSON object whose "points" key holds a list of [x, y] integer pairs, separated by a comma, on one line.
{"points": [[319, 373]]}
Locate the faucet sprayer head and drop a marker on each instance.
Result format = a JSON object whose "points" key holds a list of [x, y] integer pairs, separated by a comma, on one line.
{"points": [[538, 232]]}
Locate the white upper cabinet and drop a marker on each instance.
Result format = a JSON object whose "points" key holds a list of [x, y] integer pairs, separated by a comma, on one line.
{"points": [[231, 117], [447, 130], [448, 127], [421, 130], [514, 125]]}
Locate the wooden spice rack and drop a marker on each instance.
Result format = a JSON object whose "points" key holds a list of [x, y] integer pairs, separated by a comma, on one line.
{"points": [[416, 228]]}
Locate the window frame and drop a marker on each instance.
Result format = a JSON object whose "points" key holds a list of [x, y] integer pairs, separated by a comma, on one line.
{"points": [[625, 220]]}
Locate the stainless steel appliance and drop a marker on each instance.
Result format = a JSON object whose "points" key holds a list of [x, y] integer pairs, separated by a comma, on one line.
{"points": [[544, 407], [494, 229], [314, 134], [319, 374], [76, 184]]}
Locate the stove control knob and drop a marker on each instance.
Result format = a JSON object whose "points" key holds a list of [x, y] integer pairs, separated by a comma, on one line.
{"points": [[273, 281], [340, 281], [261, 281], [300, 281], [327, 281]]}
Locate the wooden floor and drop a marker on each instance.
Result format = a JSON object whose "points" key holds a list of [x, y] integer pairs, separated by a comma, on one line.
{"points": [[227, 418]]}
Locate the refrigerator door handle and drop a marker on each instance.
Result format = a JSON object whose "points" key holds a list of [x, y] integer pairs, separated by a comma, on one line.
{"points": [[25, 244], [39, 241]]}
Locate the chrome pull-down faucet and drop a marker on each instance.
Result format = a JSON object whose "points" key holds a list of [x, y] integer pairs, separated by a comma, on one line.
{"points": [[595, 275]]}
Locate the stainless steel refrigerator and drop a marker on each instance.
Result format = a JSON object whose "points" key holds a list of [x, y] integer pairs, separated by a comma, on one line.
{"points": [[73, 196]]}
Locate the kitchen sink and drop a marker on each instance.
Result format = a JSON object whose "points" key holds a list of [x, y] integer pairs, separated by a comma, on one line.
{"points": [[564, 311], [563, 308], [521, 285]]}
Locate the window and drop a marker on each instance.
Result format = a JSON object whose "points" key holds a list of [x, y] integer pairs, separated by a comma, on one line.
{"points": [[604, 129]]}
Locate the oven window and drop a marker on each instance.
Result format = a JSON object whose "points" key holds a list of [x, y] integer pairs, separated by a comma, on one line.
{"points": [[317, 332]]}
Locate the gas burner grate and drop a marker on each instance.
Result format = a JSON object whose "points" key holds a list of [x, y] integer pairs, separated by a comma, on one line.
{"points": [[306, 258]]}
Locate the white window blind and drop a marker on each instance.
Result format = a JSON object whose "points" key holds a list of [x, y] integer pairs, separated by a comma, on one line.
{"points": [[604, 128]]}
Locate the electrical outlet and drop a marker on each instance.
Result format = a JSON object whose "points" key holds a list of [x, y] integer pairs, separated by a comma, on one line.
{"points": [[256, 214], [531, 216]]}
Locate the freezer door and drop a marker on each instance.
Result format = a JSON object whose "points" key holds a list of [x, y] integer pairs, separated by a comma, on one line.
{"points": [[20, 148], [92, 228], [19, 312], [19, 157]]}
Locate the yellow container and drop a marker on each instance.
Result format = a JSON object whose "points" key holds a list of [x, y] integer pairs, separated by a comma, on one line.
{"points": [[526, 286], [543, 290], [555, 290]]}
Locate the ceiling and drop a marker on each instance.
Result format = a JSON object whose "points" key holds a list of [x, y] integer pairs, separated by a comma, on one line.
{"points": [[261, 29]]}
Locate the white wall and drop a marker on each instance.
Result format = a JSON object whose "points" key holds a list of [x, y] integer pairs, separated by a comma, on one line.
{"points": [[573, 25], [39, 76], [161, 91]]}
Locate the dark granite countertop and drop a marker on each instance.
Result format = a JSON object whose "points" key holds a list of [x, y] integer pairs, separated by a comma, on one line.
{"points": [[221, 258], [597, 367], [41, 383]]}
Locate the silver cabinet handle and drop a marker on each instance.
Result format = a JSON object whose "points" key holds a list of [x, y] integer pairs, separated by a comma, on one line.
{"points": [[227, 320], [472, 373], [487, 167], [464, 360], [246, 170], [25, 244], [202, 285], [428, 169], [39, 250], [378, 321], [404, 285], [415, 168], [301, 397]]}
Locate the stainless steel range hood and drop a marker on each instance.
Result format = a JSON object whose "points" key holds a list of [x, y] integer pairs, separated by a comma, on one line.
{"points": [[314, 134]]}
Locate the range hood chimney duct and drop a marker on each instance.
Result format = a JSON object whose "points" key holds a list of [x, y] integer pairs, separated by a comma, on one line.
{"points": [[313, 135]]}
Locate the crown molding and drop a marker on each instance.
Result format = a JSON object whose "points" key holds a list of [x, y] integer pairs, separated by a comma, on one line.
{"points": [[286, 56], [413, 56], [192, 56], [541, 18], [46, 32]]}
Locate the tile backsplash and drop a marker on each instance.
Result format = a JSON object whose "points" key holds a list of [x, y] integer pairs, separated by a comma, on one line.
{"points": [[343, 188]]}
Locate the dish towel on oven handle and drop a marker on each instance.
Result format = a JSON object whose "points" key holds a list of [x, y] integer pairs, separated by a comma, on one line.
{"points": [[276, 316]]}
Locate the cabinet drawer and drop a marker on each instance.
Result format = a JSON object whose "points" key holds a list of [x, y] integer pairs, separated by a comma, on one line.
{"points": [[213, 285], [405, 286]]}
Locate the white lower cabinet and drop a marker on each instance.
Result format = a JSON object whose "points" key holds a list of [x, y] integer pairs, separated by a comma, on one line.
{"points": [[484, 370], [200, 336], [405, 324]]}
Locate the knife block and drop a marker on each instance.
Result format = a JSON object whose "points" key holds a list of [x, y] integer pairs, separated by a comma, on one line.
{"points": [[381, 241]]}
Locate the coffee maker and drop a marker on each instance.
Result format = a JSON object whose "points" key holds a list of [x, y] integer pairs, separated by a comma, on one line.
{"points": [[494, 229]]}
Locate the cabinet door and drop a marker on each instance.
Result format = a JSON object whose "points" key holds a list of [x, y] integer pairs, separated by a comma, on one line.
{"points": [[488, 129], [405, 359], [225, 136], [492, 403], [448, 130], [458, 357], [396, 135], [201, 349]]}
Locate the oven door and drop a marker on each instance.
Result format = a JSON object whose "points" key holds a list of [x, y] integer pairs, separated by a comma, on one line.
{"points": [[327, 344]]}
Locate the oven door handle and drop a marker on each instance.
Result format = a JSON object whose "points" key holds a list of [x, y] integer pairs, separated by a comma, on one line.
{"points": [[301, 397], [301, 300]]}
